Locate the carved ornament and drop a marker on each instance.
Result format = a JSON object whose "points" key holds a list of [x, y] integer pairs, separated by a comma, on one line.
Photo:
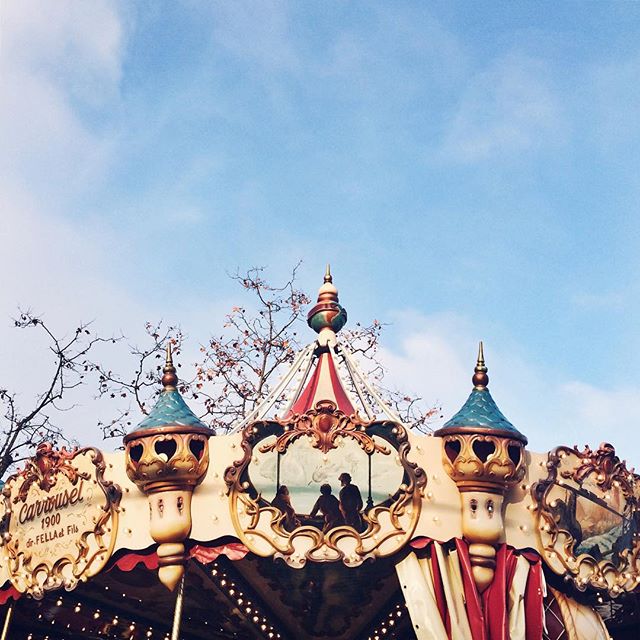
{"points": [[588, 518], [386, 527], [60, 520], [166, 456], [325, 425], [483, 462]]}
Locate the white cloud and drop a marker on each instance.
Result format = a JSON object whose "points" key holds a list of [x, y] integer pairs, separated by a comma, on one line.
{"points": [[57, 59], [507, 108], [435, 359]]}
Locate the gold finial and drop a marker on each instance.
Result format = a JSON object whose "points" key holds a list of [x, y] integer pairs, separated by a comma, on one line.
{"points": [[480, 378], [327, 275], [169, 379]]}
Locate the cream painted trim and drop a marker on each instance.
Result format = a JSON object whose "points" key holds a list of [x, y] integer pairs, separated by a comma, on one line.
{"points": [[419, 594], [516, 608]]}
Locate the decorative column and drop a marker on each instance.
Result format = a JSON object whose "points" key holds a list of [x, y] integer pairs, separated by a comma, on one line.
{"points": [[484, 454], [167, 456]]}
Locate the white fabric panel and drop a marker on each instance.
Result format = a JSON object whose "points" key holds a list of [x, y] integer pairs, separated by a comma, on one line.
{"points": [[454, 593], [417, 587], [516, 609], [580, 621]]}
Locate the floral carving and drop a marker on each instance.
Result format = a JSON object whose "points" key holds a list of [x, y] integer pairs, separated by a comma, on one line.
{"points": [[44, 467], [325, 424], [478, 462], [91, 548], [606, 466]]}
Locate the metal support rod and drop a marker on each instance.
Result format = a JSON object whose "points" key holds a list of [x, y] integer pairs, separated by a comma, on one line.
{"points": [[7, 622], [370, 498], [392, 415], [272, 397], [368, 409], [278, 471], [177, 614]]}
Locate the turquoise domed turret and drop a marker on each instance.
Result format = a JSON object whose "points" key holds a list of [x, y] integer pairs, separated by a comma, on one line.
{"points": [[480, 413]]}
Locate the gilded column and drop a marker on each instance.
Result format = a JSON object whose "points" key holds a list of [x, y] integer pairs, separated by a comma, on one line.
{"points": [[484, 454], [167, 456]]}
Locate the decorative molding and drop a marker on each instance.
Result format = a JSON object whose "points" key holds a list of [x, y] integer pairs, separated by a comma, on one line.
{"points": [[325, 424], [388, 526], [60, 521], [612, 562], [164, 456], [483, 461]]}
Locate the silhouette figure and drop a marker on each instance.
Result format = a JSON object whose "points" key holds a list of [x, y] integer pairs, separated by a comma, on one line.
{"points": [[329, 506], [350, 502], [282, 501]]}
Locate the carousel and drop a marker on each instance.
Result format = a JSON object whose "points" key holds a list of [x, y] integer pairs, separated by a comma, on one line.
{"points": [[321, 516]]}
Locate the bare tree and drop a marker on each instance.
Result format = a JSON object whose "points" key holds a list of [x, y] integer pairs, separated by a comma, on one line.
{"points": [[142, 388], [24, 428], [255, 347], [364, 341], [237, 368]]}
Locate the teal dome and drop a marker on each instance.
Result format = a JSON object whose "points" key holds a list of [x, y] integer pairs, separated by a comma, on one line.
{"points": [[170, 410], [480, 412]]}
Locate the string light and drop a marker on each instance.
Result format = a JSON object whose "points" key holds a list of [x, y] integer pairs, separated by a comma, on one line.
{"points": [[385, 626], [245, 603]]}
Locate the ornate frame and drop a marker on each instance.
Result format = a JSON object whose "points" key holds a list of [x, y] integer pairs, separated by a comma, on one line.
{"points": [[559, 544], [260, 526], [93, 547]]}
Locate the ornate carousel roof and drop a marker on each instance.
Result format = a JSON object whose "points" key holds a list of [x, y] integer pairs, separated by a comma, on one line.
{"points": [[325, 370], [321, 516]]}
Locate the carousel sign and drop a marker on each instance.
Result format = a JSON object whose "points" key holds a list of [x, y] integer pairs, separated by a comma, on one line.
{"points": [[60, 520]]}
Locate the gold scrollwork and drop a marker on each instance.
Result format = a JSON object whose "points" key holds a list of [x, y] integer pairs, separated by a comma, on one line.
{"points": [[88, 551], [324, 425], [388, 526], [167, 455], [583, 546], [483, 462]]}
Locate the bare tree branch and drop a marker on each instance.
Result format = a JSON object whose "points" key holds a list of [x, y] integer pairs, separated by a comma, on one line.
{"points": [[237, 368], [24, 429]]}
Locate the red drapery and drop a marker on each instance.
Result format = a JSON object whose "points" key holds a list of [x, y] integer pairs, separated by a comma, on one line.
{"points": [[488, 612], [129, 561], [202, 553]]}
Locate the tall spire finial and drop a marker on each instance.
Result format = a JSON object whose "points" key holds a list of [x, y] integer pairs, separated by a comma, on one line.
{"points": [[480, 378], [169, 379], [327, 317]]}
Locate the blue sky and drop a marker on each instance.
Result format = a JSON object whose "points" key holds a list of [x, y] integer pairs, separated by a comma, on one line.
{"points": [[469, 169]]}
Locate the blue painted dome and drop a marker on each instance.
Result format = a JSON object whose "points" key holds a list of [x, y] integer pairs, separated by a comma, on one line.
{"points": [[480, 412], [170, 409]]}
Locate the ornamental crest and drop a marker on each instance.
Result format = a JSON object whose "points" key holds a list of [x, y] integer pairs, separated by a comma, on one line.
{"points": [[60, 519], [324, 487], [588, 517]]}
